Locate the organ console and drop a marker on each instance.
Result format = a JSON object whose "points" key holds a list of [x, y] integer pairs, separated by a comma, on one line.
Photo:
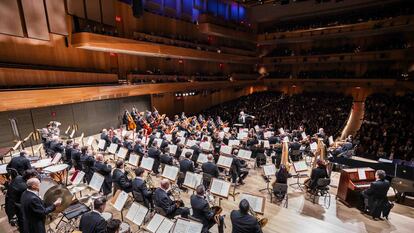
{"points": [[352, 182]]}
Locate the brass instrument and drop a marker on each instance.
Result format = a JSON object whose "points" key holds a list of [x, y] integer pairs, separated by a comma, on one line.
{"points": [[149, 182], [130, 173], [212, 202], [262, 221]]}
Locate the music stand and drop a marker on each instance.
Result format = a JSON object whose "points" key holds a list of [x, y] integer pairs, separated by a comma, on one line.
{"points": [[220, 193], [252, 199], [119, 200], [268, 171], [299, 167]]}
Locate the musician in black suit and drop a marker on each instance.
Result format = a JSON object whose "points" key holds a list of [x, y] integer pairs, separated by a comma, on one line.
{"points": [[155, 153], [87, 162], [140, 191], [163, 201], [185, 165], [203, 212], [138, 148], [113, 226], [166, 158], [76, 157], [34, 209], [242, 221], [104, 136], [128, 145], [56, 146], [104, 169], [210, 167], [20, 163], [196, 152], [316, 174], [67, 156], [236, 170], [375, 197], [120, 178], [93, 222]]}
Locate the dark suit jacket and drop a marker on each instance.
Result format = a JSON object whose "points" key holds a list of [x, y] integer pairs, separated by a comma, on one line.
{"points": [[76, 156], [201, 210], [162, 200], [120, 179], [377, 197], [316, 174], [154, 153], [210, 168], [105, 170], [20, 163], [244, 223], [139, 187], [92, 222], [186, 165], [57, 147], [166, 159], [138, 150], [34, 212]]}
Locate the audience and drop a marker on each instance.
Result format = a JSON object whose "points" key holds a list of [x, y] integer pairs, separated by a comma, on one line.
{"points": [[387, 129]]}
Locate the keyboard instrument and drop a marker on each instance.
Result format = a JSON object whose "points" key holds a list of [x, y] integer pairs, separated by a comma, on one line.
{"points": [[352, 182]]}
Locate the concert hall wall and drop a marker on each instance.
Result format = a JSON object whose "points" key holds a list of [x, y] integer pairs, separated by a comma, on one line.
{"points": [[90, 117]]}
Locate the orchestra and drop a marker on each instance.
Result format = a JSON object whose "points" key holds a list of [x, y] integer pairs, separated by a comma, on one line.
{"points": [[192, 144]]}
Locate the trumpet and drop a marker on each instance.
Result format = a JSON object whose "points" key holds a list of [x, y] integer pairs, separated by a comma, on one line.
{"points": [[212, 202], [262, 221], [130, 173], [149, 182]]}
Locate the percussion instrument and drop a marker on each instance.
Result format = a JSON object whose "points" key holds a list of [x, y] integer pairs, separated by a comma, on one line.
{"points": [[57, 171], [45, 184], [55, 192], [40, 164], [124, 228], [107, 216]]}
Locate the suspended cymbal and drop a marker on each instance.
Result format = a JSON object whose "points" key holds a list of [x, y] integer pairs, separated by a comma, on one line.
{"points": [[55, 192]]}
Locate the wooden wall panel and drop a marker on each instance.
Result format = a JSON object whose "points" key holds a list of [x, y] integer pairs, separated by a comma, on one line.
{"points": [[76, 7], [56, 15], [35, 19], [108, 12], [93, 10], [10, 21]]}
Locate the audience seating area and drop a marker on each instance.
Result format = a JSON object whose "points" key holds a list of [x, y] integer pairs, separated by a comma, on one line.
{"points": [[387, 129]]}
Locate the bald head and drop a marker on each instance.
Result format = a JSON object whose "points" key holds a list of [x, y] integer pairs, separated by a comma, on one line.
{"points": [[99, 157], [165, 184], [33, 184], [210, 157]]}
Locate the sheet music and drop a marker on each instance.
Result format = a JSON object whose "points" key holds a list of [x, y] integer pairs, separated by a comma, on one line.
{"points": [[361, 174], [185, 150], [78, 178], [244, 154], [192, 180], [122, 152], [226, 129], [331, 141], [300, 166], [265, 143], [243, 130], [137, 213], [281, 131], [304, 135], [255, 202], [168, 137], [313, 146], [3, 169], [233, 143], [96, 181], [147, 163], [157, 134], [205, 145], [144, 141], [224, 161], [159, 141], [170, 172], [257, 128], [112, 148], [269, 170], [242, 135], [286, 139], [225, 149], [267, 134], [220, 187], [101, 144], [173, 149], [191, 143], [56, 159], [202, 158], [90, 141], [185, 226], [182, 140], [133, 159], [165, 226], [155, 222], [181, 133], [221, 135], [121, 200]]}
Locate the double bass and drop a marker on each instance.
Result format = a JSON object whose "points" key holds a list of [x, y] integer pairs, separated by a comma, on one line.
{"points": [[131, 123]]}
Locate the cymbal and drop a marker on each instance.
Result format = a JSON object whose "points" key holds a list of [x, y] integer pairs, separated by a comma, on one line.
{"points": [[54, 193]]}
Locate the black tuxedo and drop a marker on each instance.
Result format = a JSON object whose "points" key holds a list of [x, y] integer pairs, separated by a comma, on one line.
{"points": [[186, 165], [92, 222], [56, 147], [377, 197], [210, 168], [196, 151], [155, 153], [34, 212], [20, 163], [104, 170], [138, 150], [244, 223], [317, 173], [76, 157], [166, 159], [12, 201], [67, 157], [202, 211], [141, 193], [121, 180], [162, 200]]}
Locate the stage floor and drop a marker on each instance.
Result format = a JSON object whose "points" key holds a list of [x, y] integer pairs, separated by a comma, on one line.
{"points": [[300, 216]]}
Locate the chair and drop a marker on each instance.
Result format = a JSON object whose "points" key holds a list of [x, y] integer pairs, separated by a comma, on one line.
{"points": [[280, 192], [160, 211], [322, 190]]}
